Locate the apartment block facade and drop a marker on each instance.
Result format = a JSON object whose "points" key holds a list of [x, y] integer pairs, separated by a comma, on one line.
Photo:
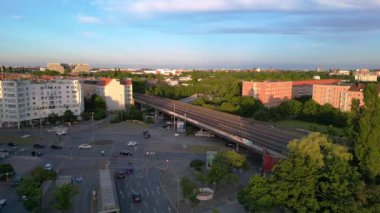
{"points": [[340, 96], [80, 68], [117, 94], [28, 100], [271, 94], [305, 88]]}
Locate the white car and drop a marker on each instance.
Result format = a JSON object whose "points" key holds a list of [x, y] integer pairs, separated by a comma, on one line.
{"points": [[84, 146], [132, 143], [48, 166]]}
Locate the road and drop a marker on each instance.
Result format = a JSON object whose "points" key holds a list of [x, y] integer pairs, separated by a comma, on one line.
{"points": [[239, 128]]}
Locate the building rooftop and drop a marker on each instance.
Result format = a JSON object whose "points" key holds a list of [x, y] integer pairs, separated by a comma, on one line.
{"points": [[311, 82]]}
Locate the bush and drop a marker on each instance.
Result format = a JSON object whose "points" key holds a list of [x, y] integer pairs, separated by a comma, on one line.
{"points": [[99, 114], [197, 164], [149, 120], [262, 114]]}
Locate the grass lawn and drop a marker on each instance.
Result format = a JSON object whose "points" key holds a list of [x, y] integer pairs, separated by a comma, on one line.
{"points": [[307, 126], [18, 139]]}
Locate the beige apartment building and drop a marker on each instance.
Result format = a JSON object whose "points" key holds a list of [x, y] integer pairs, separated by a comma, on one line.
{"points": [[56, 67], [118, 95], [80, 68], [271, 94]]}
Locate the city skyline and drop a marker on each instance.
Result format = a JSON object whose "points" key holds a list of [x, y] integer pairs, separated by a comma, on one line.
{"points": [[291, 34]]}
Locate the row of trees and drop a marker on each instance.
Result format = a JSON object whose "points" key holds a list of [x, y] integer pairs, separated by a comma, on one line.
{"points": [[309, 111], [95, 104], [319, 175], [30, 190]]}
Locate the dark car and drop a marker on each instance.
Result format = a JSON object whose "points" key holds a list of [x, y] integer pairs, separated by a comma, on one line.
{"points": [[56, 146], [136, 197], [11, 144], [147, 135], [39, 146], [145, 132], [121, 174], [36, 153], [129, 170], [127, 153], [16, 180], [231, 145]]}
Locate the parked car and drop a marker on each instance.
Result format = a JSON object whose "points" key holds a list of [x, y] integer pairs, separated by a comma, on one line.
{"points": [[12, 144], [121, 174], [39, 146], [136, 197], [129, 171], [145, 132], [132, 143], [3, 202], [85, 146], [36, 153], [56, 146], [48, 166], [147, 135], [126, 152]]}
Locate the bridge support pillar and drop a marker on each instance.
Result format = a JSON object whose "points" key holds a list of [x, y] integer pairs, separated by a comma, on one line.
{"points": [[237, 147], [155, 113]]}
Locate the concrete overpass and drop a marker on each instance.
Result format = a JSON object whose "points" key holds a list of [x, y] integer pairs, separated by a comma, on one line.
{"points": [[251, 134]]}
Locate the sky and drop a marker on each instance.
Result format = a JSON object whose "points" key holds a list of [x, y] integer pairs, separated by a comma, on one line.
{"points": [[280, 34]]}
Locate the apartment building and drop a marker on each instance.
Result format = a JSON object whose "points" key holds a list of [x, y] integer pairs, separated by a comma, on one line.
{"points": [[80, 68], [340, 96], [59, 67], [331, 94], [28, 100], [366, 78], [118, 95], [271, 94], [305, 88]]}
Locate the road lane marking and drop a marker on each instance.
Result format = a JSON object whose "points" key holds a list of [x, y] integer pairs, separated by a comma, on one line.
{"points": [[152, 192], [158, 204], [154, 209], [145, 204], [169, 209]]}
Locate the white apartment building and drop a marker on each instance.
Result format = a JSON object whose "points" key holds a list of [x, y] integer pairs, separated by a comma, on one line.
{"points": [[26, 100], [117, 95]]}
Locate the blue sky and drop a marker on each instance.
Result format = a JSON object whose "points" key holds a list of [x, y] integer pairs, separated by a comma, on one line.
{"points": [[288, 34]]}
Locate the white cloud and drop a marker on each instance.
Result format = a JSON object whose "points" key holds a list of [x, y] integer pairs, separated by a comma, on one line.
{"points": [[169, 6], [15, 17], [88, 19]]}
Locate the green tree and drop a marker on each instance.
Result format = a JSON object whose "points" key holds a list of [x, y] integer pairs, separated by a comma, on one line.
{"points": [[367, 145], [40, 174], [316, 176], [223, 165], [262, 114], [197, 164], [30, 192], [53, 117], [310, 109], [189, 190], [63, 196], [68, 116], [100, 103]]}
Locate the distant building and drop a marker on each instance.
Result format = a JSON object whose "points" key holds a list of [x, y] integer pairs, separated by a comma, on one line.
{"points": [[118, 95], [305, 88], [29, 100], [80, 68], [340, 96], [59, 67], [185, 78], [330, 94], [271, 94], [339, 72], [366, 78], [171, 82]]}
